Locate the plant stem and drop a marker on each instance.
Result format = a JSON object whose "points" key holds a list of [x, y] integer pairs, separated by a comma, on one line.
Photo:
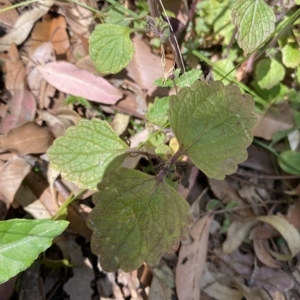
{"points": [[160, 176]]}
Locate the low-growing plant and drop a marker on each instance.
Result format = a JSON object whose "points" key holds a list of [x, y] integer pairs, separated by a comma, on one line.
{"points": [[137, 217]]}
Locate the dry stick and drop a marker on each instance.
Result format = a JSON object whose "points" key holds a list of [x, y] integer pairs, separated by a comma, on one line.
{"points": [[271, 177]]}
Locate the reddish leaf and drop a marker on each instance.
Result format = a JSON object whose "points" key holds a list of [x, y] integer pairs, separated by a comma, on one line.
{"points": [[74, 81]]}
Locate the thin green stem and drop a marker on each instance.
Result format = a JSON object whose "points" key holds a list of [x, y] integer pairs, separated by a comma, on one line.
{"points": [[123, 9]]}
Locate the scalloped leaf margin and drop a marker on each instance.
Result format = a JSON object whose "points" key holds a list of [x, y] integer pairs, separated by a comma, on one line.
{"points": [[136, 219], [86, 151], [212, 124]]}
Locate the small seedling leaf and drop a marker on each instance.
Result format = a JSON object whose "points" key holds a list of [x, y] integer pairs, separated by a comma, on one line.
{"points": [[291, 55], [255, 21], [269, 73], [212, 124], [136, 219], [22, 241], [157, 113], [226, 65], [84, 153], [111, 48]]}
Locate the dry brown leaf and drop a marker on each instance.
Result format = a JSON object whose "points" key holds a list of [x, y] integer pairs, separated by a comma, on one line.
{"points": [[40, 188], [295, 191], [191, 261], [261, 248], [145, 67], [31, 204], [272, 122], [272, 280], [24, 25], [237, 231], [287, 230], [255, 294], [79, 18], [74, 81], [14, 69], [51, 30], [160, 291], [28, 138], [42, 54], [293, 214], [219, 286], [9, 17], [22, 109], [12, 174], [87, 64]]}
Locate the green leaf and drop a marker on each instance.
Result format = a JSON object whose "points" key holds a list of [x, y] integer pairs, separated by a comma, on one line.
{"points": [[163, 151], [213, 123], [289, 161], [136, 219], [255, 21], [111, 48], [187, 79], [114, 16], [291, 55], [85, 152], [226, 66], [268, 73], [298, 74], [157, 112], [22, 241]]}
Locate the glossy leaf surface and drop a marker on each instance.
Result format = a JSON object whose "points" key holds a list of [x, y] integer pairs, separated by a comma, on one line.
{"points": [[22, 241]]}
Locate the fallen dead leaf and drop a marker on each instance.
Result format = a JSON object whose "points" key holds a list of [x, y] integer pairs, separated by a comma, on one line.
{"points": [[22, 109], [272, 122], [9, 17], [160, 291], [191, 261], [12, 174], [237, 231], [24, 25], [255, 294], [272, 280], [28, 138], [145, 67], [51, 29], [219, 286], [261, 248], [74, 81], [288, 231]]}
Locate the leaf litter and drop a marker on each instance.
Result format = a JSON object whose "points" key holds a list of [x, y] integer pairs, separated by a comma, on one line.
{"points": [[242, 247]]}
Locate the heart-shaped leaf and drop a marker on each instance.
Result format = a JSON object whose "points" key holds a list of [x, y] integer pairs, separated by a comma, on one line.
{"points": [[85, 152], [22, 241], [136, 219], [111, 48], [255, 21], [212, 124]]}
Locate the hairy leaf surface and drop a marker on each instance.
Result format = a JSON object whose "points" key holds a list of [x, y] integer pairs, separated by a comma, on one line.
{"points": [[22, 241], [212, 124], [136, 219], [84, 153], [111, 48], [255, 21]]}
